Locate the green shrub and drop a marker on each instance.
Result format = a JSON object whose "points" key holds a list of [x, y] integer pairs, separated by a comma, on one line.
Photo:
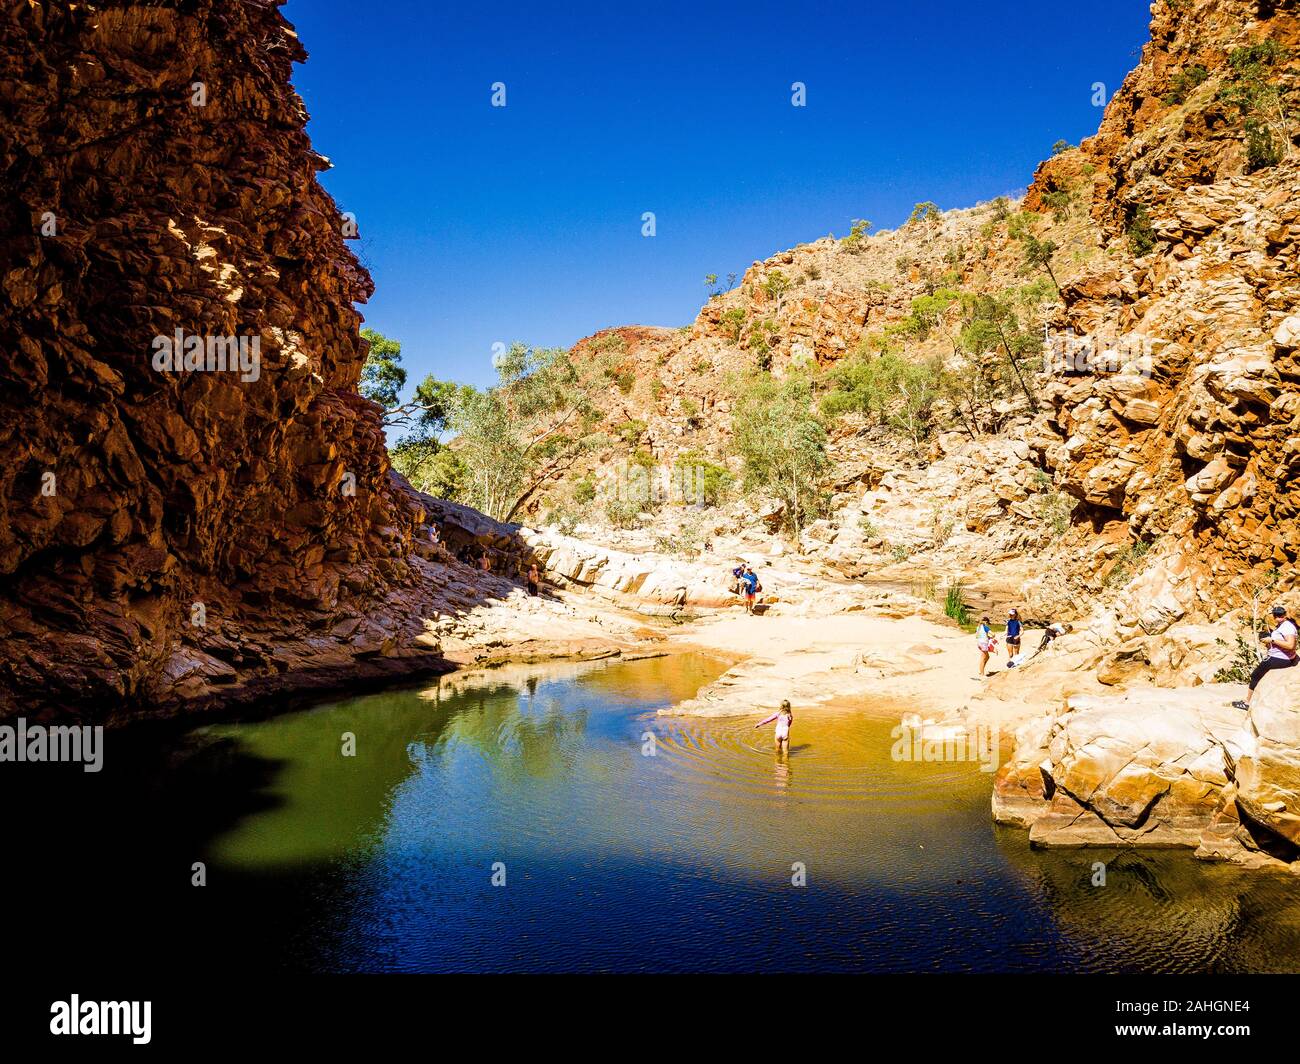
{"points": [[954, 602], [1182, 84], [701, 481], [1245, 656], [733, 321], [854, 242], [610, 343], [926, 211], [1262, 147], [630, 431], [1058, 202], [1141, 233], [623, 513], [585, 490]]}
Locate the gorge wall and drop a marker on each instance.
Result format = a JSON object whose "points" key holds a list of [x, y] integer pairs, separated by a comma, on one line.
{"points": [[163, 531], [1196, 444]]}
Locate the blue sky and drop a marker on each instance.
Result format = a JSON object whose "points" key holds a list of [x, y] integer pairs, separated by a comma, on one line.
{"points": [[483, 224]]}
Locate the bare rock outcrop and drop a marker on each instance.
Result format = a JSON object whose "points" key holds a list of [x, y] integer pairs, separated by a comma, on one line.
{"points": [[1163, 768]]}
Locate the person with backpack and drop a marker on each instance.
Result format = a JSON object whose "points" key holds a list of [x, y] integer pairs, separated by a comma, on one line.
{"points": [[1282, 652], [749, 583], [736, 574]]}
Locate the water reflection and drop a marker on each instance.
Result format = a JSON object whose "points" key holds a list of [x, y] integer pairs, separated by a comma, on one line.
{"points": [[618, 854]]}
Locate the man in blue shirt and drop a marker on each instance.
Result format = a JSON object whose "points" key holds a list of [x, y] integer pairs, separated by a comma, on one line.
{"points": [[750, 585], [1013, 637]]}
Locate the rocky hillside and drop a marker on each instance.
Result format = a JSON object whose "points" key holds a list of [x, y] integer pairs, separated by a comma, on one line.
{"points": [[1150, 477], [172, 529]]}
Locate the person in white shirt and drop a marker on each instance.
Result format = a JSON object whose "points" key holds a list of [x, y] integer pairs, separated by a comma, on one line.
{"points": [[1282, 652]]}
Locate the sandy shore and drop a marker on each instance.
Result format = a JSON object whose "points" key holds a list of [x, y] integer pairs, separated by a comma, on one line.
{"points": [[912, 663], [822, 644]]}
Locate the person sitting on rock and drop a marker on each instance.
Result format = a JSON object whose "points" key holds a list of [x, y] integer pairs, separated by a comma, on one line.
{"points": [[1282, 652]]}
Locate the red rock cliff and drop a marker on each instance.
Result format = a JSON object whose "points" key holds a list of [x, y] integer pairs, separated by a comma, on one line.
{"points": [[166, 534]]}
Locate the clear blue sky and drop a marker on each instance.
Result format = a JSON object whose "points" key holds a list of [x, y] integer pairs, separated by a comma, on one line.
{"points": [[484, 224]]}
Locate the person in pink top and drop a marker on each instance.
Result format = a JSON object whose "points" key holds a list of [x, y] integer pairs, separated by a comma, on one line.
{"points": [[784, 717]]}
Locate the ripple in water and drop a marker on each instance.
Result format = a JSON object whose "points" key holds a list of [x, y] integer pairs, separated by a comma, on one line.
{"points": [[680, 861]]}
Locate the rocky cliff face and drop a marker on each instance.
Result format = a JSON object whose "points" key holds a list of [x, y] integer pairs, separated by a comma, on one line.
{"points": [[225, 519], [1194, 443]]}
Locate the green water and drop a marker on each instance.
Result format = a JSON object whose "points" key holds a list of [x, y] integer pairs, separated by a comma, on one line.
{"points": [[624, 840]]}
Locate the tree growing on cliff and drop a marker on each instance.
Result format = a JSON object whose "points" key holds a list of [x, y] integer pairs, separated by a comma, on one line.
{"points": [[782, 444], [1262, 93], [993, 325], [890, 389], [382, 376], [856, 240], [1039, 253], [420, 455], [926, 211], [528, 429]]}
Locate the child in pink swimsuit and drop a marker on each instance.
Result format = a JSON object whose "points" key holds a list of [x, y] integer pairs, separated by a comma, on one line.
{"points": [[783, 717]]}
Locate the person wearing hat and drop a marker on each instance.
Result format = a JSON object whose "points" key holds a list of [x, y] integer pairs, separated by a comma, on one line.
{"points": [[1013, 636], [1281, 643]]}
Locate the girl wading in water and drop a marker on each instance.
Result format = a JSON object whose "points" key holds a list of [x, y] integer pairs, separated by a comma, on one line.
{"points": [[1282, 652], [784, 717]]}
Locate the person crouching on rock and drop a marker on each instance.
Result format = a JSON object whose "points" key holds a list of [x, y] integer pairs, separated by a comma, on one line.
{"points": [[1281, 643], [986, 641], [784, 717]]}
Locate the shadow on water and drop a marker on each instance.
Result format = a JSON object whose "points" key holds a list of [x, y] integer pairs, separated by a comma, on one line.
{"points": [[628, 841]]}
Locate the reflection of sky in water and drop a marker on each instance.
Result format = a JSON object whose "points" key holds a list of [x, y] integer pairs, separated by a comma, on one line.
{"points": [[684, 859]]}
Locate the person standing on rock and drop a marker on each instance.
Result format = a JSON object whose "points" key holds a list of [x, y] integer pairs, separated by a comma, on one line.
{"points": [[986, 641], [485, 562], [534, 579], [1282, 652], [1013, 637], [751, 587]]}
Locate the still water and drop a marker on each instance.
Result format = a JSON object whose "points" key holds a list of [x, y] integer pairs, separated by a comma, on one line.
{"points": [[615, 858]]}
